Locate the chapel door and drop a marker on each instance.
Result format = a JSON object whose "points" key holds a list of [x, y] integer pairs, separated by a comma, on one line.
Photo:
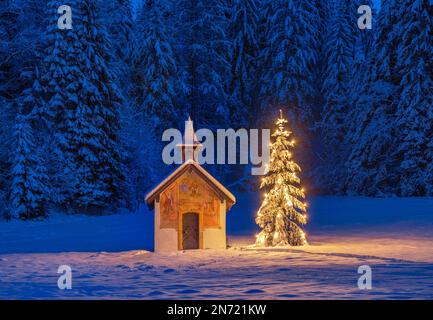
{"points": [[190, 231]]}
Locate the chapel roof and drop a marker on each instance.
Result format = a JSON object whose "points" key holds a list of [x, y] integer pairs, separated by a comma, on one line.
{"points": [[206, 176]]}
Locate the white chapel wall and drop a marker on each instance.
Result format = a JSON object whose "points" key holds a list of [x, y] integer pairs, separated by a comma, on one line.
{"points": [[215, 238], [165, 239]]}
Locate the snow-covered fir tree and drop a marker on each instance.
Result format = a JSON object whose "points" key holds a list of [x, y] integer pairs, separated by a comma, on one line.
{"points": [[291, 52], [367, 162], [243, 89], [83, 104], [323, 15], [244, 61], [94, 143], [119, 22], [6, 132], [9, 49], [8, 32], [154, 93], [155, 72], [283, 211], [339, 53], [358, 97], [415, 114], [202, 43], [21, 26], [62, 78], [29, 192]]}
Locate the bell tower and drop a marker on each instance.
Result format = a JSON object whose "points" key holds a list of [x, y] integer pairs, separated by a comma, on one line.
{"points": [[190, 144]]}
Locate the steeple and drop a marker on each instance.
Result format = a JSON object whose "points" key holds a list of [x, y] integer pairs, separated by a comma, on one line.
{"points": [[190, 143]]}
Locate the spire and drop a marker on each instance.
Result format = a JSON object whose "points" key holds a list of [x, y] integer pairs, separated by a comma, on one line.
{"points": [[190, 143], [189, 137]]}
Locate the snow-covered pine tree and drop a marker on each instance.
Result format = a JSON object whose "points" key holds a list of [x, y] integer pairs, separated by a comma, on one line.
{"points": [[359, 88], [243, 87], [9, 49], [155, 67], [93, 140], [119, 23], [283, 211], [339, 52], [62, 78], [202, 49], [154, 92], [28, 190], [415, 114], [291, 52], [261, 64], [6, 133], [370, 169], [21, 25], [32, 23], [8, 91], [323, 9], [202, 43], [244, 60]]}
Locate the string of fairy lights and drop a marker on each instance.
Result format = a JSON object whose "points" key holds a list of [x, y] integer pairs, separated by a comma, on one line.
{"points": [[283, 211]]}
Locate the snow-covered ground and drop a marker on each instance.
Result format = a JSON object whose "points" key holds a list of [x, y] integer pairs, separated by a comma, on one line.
{"points": [[111, 256]]}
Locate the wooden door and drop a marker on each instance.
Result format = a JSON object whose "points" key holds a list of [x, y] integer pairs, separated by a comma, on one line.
{"points": [[190, 231]]}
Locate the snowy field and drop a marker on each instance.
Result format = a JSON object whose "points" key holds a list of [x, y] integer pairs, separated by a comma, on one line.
{"points": [[111, 256]]}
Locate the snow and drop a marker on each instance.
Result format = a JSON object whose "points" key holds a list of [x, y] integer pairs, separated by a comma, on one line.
{"points": [[184, 167], [111, 256]]}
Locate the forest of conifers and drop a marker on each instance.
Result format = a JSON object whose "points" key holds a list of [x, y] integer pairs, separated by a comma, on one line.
{"points": [[83, 110]]}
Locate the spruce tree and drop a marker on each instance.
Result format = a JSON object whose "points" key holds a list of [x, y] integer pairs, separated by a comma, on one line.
{"points": [[62, 78], [29, 192], [244, 61], [10, 50], [94, 142], [154, 95], [339, 53], [414, 119], [283, 211], [359, 97], [155, 68], [119, 23], [291, 52], [369, 166], [83, 105], [201, 33]]}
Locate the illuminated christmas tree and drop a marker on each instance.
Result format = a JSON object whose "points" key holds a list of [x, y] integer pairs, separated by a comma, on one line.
{"points": [[283, 211]]}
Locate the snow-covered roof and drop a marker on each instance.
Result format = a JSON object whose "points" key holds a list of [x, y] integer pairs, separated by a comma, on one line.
{"points": [[151, 196]]}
